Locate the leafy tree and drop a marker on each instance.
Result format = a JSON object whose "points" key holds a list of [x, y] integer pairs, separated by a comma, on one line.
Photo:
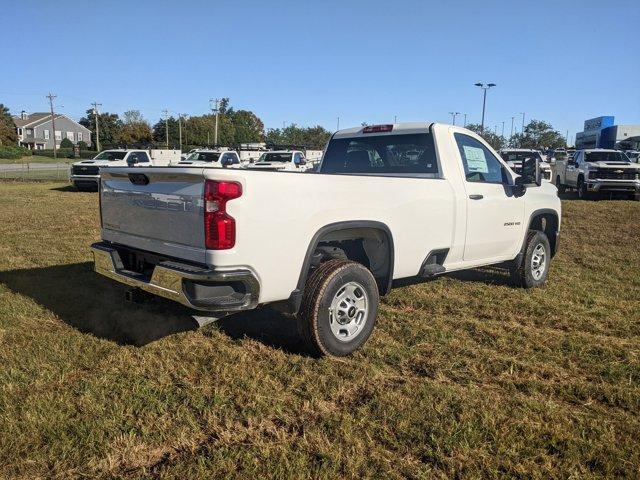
{"points": [[110, 128], [496, 141], [136, 129], [83, 145], [539, 135], [8, 134], [159, 130], [311, 137], [66, 143], [248, 127]]}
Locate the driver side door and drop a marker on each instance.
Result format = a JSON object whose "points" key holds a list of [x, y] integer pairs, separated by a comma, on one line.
{"points": [[494, 214]]}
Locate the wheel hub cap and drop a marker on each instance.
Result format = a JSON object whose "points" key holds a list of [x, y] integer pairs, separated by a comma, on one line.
{"points": [[538, 261], [348, 311]]}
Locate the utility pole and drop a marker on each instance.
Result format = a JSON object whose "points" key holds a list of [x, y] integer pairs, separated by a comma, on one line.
{"points": [[567, 138], [216, 101], [522, 113], [512, 119], [96, 115], [395, 119], [465, 120], [495, 130], [180, 115], [453, 116], [484, 87], [503, 129], [338, 124], [51, 96], [165, 112]]}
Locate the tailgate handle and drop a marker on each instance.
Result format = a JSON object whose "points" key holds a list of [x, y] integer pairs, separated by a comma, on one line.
{"points": [[138, 179]]}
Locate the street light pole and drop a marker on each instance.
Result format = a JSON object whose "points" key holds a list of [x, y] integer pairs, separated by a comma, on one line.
{"points": [[484, 87], [465, 120], [512, 119], [522, 113], [503, 129], [215, 110], [454, 115]]}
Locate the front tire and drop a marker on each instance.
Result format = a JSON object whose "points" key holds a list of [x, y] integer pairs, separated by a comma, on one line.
{"points": [[534, 267], [339, 308], [583, 193], [561, 188]]}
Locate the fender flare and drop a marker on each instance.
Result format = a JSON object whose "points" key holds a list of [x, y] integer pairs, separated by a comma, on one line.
{"points": [[296, 296], [535, 213]]}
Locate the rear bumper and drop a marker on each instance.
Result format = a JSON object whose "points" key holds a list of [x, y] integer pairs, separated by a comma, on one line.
{"points": [[195, 287], [613, 185]]}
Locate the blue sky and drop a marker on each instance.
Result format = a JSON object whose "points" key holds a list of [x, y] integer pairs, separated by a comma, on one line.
{"points": [[309, 62]]}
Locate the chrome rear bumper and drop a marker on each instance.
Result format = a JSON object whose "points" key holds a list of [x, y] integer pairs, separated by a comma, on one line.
{"points": [[195, 287]]}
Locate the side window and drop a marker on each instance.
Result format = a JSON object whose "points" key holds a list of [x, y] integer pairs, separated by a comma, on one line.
{"points": [[234, 158], [480, 165], [296, 158], [143, 157]]}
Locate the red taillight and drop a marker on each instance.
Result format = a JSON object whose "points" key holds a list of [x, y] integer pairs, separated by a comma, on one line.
{"points": [[377, 128], [219, 226]]}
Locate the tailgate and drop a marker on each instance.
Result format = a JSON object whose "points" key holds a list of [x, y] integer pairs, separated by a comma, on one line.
{"points": [[155, 209]]}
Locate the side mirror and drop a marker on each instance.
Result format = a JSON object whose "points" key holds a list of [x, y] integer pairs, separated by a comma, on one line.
{"points": [[531, 173], [303, 161], [131, 162], [226, 162]]}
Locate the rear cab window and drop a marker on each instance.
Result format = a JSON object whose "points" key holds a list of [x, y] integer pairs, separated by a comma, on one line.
{"points": [[411, 155]]}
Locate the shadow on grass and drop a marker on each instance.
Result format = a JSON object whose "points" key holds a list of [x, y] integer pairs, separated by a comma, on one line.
{"points": [[93, 304], [66, 188], [487, 275]]}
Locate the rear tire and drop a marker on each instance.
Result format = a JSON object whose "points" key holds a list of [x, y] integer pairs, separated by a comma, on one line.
{"points": [[534, 267], [561, 188], [339, 308]]}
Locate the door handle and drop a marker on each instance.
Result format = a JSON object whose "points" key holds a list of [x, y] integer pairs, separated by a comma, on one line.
{"points": [[476, 197]]}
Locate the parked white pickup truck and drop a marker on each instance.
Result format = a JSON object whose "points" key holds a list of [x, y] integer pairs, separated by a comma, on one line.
{"points": [[281, 160], [515, 157], [594, 171], [85, 175], [389, 204], [212, 158]]}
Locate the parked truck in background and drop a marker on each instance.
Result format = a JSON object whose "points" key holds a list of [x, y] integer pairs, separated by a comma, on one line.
{"points": [[85, 174], [516, 156], [221, 157], [388, 205], [281, 160], [595, 171]]}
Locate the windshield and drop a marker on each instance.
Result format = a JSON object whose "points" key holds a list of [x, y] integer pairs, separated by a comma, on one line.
{"points": [[519, 156], [110, 155], [606, 157], [203, 157], [275, 157]]}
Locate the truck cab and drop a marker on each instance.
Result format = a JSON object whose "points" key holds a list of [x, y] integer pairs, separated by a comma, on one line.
{"points": [[282, 160], [593, 171], [213, 158]]}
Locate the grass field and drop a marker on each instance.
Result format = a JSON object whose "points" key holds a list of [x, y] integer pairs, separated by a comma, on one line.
{"points": [[463, 377]]}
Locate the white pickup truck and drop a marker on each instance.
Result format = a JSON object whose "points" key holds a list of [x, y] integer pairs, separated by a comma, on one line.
{"points": [[594, 171], [389, 204], [85, 175], [218, 158], [516, 156], [281, 160]]}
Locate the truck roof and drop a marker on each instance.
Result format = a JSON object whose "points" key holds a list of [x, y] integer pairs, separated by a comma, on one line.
{"points": [[395, 128]]}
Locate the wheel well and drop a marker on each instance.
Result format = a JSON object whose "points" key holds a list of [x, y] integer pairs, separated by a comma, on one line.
{"points": [[369, 246], [548, 224]]}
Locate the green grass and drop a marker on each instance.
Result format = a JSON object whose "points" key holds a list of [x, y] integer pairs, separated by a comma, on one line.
{"points": [[463, 377], [37, 159], [38, 175]]}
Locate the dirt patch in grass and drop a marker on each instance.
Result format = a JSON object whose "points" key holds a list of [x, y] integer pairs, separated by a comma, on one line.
{"points": [[464, 376]]}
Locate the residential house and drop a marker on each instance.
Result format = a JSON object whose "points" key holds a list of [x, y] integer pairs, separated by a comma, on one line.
{"points": [[35, 130]]}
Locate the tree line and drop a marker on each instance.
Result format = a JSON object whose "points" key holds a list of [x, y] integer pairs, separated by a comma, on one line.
{"points": [[538, 135], [234, 127]]}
